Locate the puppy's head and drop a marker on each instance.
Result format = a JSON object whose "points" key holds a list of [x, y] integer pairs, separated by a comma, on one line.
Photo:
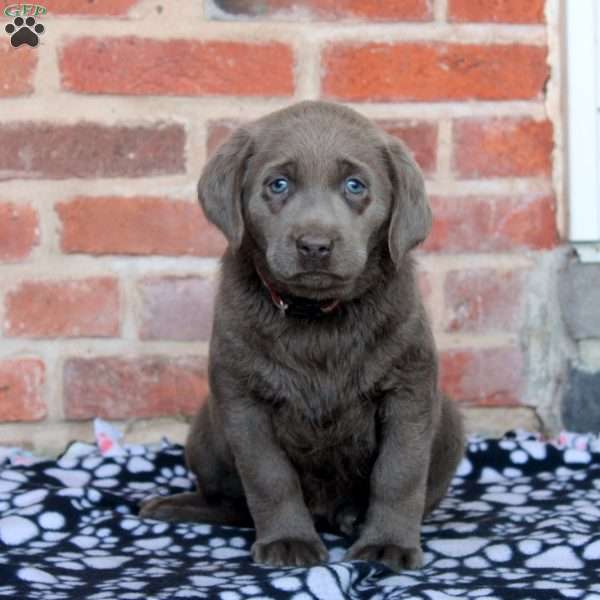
{"points": [[317, 188]]}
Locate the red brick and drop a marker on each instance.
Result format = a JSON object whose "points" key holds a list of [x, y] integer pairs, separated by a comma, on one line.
{"points": [[484, 377], [140, 66], [138, 226], [433, 71], [18, 69], [176, 308], [21, 393], [502, 147], [218, 133], [90, 7], [492, 224], [73, 308], [123, 388], [30, 150], [371, 10], [420, 137], [19, 231], [502, 11], [483, 300]]}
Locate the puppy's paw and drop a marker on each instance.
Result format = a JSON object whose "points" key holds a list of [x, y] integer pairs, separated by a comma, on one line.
{"points": [[161, 509], [289, 552], [395, 557]]}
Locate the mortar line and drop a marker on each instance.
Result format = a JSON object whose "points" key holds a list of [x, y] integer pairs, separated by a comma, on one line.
{"points": [[254, 30], [307, 69], [114, 109], [440, 11], [101, 347], [444, 151]]}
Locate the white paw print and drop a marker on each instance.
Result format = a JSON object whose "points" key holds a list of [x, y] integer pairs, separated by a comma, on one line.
{"points": [[170, 563], [529, 515], [139, 528], [506, 529], [191, 531], [175, 477], [94, 517]]}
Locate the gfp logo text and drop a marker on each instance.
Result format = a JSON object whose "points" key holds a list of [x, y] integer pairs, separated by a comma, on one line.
{"points": [[24, 10]]}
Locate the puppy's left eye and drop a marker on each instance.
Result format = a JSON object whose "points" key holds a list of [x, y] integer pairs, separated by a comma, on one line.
{"points": [[354, 186]]}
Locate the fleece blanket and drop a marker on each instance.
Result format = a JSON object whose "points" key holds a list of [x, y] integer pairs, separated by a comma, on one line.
{"points": [[521, 521]]}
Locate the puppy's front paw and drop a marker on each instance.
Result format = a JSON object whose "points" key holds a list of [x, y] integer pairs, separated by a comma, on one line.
{"points": [[289, 552], [395, 557]]}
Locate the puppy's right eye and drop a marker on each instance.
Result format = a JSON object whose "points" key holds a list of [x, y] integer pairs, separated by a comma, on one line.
{"points": [[354, 186], [279, 185]]}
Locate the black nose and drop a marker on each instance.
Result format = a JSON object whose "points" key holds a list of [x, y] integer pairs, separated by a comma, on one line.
{"points": [[314, 247]]}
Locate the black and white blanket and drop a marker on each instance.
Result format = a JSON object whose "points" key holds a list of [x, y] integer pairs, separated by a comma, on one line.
{"points": [[522, 520]]}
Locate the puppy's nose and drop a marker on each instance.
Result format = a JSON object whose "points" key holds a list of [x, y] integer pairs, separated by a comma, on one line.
{"points": [[314, 247]]}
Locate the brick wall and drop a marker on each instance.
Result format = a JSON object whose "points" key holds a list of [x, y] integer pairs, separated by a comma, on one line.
{"points": [[107, 265]]}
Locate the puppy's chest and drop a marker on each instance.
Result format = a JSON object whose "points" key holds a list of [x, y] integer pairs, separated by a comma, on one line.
{"points": [[314, 364], [316, 385], [324, 412], [332, 447], [320, 428]]}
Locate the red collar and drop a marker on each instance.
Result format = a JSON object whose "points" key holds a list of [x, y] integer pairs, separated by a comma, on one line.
{"points": [[295, 306]]}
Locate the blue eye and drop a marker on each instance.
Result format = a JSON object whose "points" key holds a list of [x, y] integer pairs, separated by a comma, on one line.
{"points": [[354, 186], [279, 185]]}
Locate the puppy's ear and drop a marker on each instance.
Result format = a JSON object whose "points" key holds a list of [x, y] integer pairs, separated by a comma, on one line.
{"points": [[220, 186], [410, 221]]}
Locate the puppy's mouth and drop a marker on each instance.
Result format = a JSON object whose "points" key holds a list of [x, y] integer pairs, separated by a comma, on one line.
{"points": [[317, 277], [321, 282]]}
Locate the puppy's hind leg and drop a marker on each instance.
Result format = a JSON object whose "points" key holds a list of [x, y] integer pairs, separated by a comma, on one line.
{"points": [[193, 507], [219, 497]]}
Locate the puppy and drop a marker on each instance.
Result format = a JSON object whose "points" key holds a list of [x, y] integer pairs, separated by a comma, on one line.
{"points": [[324, 399]]}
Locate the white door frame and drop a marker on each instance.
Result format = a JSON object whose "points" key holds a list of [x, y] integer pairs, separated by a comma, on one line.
{"points": [[583, 125]]}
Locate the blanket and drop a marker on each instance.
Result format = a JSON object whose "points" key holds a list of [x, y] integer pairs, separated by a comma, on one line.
{"points": [[521, 521]]}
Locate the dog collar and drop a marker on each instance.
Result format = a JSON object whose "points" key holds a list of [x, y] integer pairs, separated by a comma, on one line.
{"points": [[295, 306]]}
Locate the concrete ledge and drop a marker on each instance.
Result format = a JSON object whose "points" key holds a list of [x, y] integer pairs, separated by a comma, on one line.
{"points": [[579, 292], [496, 421], [581, 402]]}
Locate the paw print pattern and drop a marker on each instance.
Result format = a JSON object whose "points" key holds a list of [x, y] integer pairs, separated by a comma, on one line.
{"points": [[24, 32]]}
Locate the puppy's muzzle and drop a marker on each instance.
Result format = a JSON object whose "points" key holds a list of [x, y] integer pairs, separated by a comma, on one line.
{"points": [[314, 252]]}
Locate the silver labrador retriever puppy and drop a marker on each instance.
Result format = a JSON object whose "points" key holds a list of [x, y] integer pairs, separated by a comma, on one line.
{"points": [[324, 400]]}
